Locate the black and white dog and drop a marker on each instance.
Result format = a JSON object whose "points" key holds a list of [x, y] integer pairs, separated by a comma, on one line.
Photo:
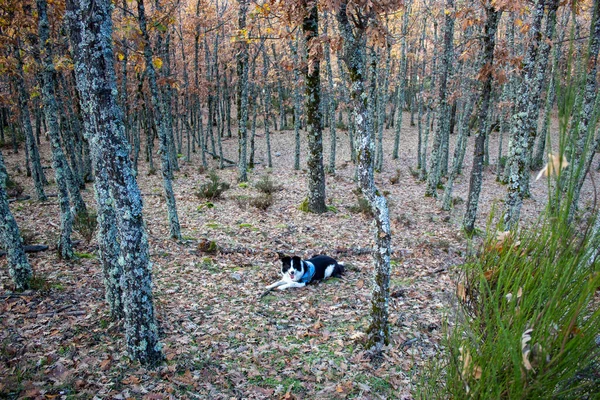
{"points": [[296, 273]]}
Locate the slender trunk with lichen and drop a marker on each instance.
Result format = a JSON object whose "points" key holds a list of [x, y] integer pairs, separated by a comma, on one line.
{"points": [[401, 89], [523, 131], [297, 102], [489, 43], [314, 124], [242, 70], [175, 230], [19, 268], [443, 123], [59, 162], [331, 102], [354, 48], [267, 105], [36, 165], [91, 28]]}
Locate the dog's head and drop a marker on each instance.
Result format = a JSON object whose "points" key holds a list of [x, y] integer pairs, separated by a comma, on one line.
{"points": [[292, 268]]}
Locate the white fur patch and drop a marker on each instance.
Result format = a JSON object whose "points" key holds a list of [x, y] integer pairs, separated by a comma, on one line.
{"points": [[329, 270]]}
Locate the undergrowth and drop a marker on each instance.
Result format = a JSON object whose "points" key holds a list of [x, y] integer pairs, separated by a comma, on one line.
{"points": [[214, 188]]}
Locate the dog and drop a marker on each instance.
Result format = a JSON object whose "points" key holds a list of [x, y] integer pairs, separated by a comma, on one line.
{"points": [[297, 273]]}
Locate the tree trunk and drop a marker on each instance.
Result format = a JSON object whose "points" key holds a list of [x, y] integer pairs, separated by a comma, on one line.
{"points": [[489, 43], [267, 105], [59, 163], [19, 268], [354, 43], [91, 26], [522, 128], [331, 103], [402, 81], [36, 165], [443, 124], [242, 69], [314, 128], [175, 230]]}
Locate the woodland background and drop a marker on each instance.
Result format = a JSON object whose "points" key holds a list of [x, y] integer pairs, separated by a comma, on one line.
{"points": [[394, 136]]}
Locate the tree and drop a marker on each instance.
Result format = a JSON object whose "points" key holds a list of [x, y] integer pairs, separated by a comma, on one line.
{"points": [[19, 268], [59, 163], [242, 70], [489, 43], [523, 128], [36, 165], [314, 128], [158, 108], [91, 29], [353, 27], [443, 126]]}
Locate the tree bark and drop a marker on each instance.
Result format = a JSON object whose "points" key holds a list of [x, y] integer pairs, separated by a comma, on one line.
{"points": [[242, 70], [354, 47], [59, 163], [523, 125], [489, 43], [314, 128], [91, 25], [175, 230], [19, 268]]}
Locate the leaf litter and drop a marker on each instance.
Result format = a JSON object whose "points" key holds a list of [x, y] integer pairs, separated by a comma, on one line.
{"points": [[220, 339]]}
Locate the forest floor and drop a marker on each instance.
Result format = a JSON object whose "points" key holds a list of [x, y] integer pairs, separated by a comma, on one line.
{"points": [[221, 340]]}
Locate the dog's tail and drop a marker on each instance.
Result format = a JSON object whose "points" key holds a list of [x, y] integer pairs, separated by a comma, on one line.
{"points": [[338, 270]]}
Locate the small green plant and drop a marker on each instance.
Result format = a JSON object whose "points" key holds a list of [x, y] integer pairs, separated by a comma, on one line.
{"points": [[213, 188], [85, 255], [243, 185], [266, 185], [502, 161], [304, 205], [262, 201], [85, 223], [205, 206], [332, 208]]}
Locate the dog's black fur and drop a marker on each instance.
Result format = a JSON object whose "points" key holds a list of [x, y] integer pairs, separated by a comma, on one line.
{"points": [[297, 273]]}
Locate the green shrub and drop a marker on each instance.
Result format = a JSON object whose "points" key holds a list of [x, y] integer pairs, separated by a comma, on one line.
{"points": [[213, 188], [526, 322], [304, 205], [266, 185], [263, 201]]}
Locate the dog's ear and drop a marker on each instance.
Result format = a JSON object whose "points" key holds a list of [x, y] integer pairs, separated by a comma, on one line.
{"points": [[285, 259], [297, 261]]}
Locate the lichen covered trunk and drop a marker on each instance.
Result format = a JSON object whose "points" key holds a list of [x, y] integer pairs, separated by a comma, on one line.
{"points": [[354, 42], [19, 268], [523, 129], [314, 128], [163, 134], [59, 162], [443, 124], [489, 38], [36, 165], [242, 70], [91, 24]]}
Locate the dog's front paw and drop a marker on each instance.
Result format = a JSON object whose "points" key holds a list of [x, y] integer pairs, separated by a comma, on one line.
{"points": [[282, 287]]}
